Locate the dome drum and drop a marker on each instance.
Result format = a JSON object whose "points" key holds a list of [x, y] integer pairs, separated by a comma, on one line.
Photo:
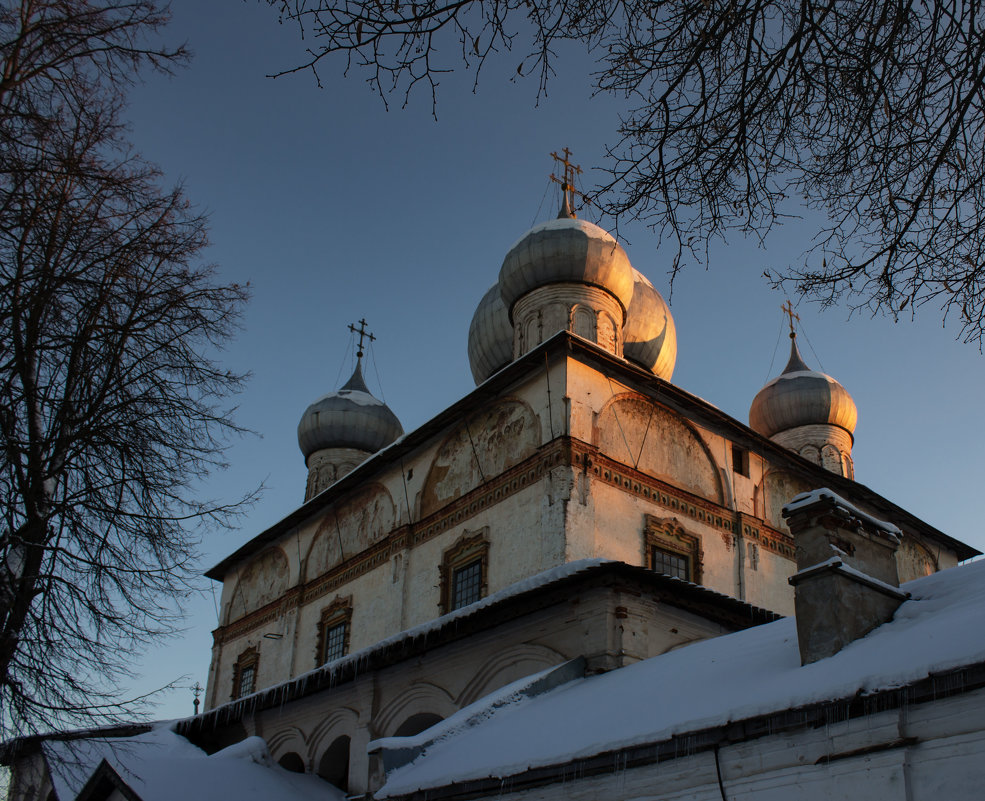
{"points": [[587, 311], [327, 466], [825, 445]]}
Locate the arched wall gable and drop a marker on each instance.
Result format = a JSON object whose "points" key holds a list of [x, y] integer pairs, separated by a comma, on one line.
{"points": [[634, 430], [359, 521], [506, 666], [263, 580], [421, 697], [503, 435], [776, 490]]}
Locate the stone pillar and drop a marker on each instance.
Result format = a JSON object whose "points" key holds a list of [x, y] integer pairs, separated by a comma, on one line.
{"points": [[846, 582]]}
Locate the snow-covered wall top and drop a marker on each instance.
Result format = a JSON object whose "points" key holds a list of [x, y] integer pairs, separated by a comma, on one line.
{"points": [[736, 677]]}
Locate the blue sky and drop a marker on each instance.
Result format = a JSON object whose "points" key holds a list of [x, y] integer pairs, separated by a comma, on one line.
{"points": [[334, 208]]}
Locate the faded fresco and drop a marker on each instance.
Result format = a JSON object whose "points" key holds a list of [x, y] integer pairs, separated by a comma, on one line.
{"points": [[503, 436], [646, 436], [361, 520], [264, 580]]}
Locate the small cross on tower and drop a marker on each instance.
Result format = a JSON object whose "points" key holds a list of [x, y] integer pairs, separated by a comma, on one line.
{"points": [[568, 184], [791, 316], [197, 690], [363, 334]]}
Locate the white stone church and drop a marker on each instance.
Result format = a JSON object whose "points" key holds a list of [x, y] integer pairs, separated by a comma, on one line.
{"points": [[577, 581]]}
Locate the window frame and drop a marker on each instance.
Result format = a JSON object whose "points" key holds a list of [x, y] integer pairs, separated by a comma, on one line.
{"points": [[471, 547], [247, 660], [337, 613], [666, 535]]}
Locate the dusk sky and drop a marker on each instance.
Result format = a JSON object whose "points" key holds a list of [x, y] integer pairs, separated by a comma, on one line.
{"points": [[335, 209]]}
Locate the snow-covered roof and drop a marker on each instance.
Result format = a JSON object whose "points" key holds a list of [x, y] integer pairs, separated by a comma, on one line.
{"points": [[736, 677], [425, 635], [161, 766]]}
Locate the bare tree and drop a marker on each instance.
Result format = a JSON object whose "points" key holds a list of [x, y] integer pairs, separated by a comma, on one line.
{"points": [[111, 401], [739, 113]]}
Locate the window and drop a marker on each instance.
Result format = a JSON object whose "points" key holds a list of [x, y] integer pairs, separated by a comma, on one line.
{"points": [[670, 550], [466, 584], [670, 563], [464, 571], [245, 673], [333, 631], [740, 461]]}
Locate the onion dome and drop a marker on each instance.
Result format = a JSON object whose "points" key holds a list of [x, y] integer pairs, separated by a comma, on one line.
{"points": [[490, 336], [566, 250], [650, 338], [800, 396], [349, 418]]}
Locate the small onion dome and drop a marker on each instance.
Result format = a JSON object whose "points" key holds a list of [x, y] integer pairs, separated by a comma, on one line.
{"points": [[649, 335], [566, 250], [349, 418], [490, 336], [800, 396]]}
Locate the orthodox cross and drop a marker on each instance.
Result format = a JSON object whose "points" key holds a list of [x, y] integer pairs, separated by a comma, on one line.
{"points": [[791, 316], [197, 690], [568, 183], [363, 334]]}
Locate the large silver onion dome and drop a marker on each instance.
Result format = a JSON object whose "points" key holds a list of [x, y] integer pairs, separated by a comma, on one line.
{"points": [[566, 250], [801, 396], [349, 418], [650, 335], [490, 336], [650, 338]]}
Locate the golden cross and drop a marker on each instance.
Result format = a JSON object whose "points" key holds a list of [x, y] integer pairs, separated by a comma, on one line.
{"points": [[788, 310], [568, 181], [363, 333]]}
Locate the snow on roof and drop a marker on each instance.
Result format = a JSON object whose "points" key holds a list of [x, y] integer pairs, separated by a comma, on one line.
{"points": [[161, 766], [356, 658], [735, 677], [818, 495]]}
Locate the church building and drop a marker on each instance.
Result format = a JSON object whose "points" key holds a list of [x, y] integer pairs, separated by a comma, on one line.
{"points": [[575, 519]]}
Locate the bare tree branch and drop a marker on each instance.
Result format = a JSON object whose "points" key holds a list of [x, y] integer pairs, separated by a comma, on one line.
{"points": [[112, 406], [742, 112]]}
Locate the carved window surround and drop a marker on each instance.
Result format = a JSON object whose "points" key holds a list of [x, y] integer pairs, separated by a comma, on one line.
{"points": [[665, 534], [245, 673], [471, 549], [334, 628]]}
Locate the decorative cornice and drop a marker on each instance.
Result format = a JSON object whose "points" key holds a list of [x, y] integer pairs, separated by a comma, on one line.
{"points": [[562, 451]]}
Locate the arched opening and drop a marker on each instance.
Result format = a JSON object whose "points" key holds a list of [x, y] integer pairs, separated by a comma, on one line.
{"points": [[334, 764], [415, 724], [292, 761]]}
